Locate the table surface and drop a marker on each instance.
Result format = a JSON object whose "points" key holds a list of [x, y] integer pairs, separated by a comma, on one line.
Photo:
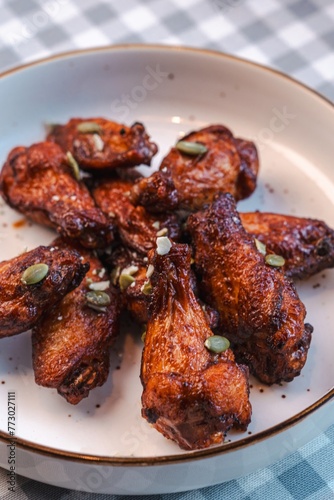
{"points": [[294, 36]]}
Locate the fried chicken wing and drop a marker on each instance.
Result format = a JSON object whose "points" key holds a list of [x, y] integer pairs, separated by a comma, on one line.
{"points": [[99, 144], [307, 245], [137, 228], [39, 182], [189, 181], [190, 394], [71, 343], [22, 304], [260, 311]]}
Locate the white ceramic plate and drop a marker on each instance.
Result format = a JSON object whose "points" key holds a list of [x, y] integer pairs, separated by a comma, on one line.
{"points": [[103, 444]]}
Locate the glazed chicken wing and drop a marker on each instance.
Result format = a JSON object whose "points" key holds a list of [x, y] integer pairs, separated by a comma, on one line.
{"points": [[39, 182], [189, 181], [98, 144], [138, 229], [307, 245], [71, 343], [190, 395], [26, 292], [260, 311]]}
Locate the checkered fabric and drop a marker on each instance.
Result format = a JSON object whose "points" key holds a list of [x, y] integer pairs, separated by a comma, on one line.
{"points": [[305, 475], [294, 36]]}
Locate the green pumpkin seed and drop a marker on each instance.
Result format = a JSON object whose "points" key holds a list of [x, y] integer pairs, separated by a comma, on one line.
{"points": [[260, 246], [125, 280], [191, 148], [97, 298], [146, 289], [73, 163], [34, 274], [275, 260], [143, 336], [217, 344], [89, 128]]}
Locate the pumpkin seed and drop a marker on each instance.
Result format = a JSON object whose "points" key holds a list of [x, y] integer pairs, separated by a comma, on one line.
{"points": [[34, 274], [131, 270], [162, 232], [275, 260], [150, 271], [146, 289], [73, 163], [191, 148], [217, 344], [89, 128], [260, 246], [125, 280], [97, 298]]}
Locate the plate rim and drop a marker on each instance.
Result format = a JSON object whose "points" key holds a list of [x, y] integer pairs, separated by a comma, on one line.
{"points": [[212, 452], [167, 48], [55, 453]]}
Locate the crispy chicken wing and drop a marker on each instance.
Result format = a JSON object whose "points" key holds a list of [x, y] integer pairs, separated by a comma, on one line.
{"points": [[307, 245], [39, 182], [138, 229], [99, 144], [71, 343], [190, 395], [189, 181], [260, 311], [21, 304]]}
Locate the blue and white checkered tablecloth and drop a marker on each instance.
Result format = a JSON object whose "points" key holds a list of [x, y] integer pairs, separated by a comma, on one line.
{"points": [[294, 36]]}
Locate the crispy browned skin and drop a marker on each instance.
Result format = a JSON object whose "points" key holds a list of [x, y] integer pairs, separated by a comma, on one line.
{"points": [[122, 146], [157, 193], [189, 182], [137, 228], [259, 308], [21, 305], [307, 245], [190, 395], [71, 343], [39, 182]]}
